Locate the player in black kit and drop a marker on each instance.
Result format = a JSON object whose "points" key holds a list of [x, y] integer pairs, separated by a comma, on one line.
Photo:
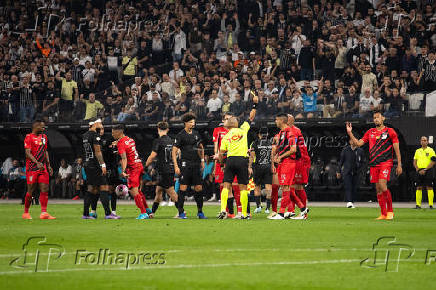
{"points": [[96, 172], [260, 155], [192, 160], [162, 151], [110, 155]]}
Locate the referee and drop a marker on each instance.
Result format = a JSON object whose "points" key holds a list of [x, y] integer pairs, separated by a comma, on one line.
{"points": [[235, 145], [423, 161]]}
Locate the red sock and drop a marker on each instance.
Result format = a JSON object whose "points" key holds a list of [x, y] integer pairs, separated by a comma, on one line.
{"points": [[43, 199], [139, 203], [291, 205], [143, 199], [301, 193], [295, 198], [237, 195], [388, 197], [274, 197], [382, 203], [285, 201], [27, 202]]}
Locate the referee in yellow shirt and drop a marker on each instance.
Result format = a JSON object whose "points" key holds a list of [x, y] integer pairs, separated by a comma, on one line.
{"points": [[235, 145], [423, 161]]}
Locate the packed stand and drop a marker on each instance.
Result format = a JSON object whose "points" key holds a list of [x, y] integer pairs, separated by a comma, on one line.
{"points": [[69, 61]]}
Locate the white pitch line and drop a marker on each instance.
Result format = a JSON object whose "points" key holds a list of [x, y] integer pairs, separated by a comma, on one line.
{"points": [[213, 250], [188, 266], [227, 251]]}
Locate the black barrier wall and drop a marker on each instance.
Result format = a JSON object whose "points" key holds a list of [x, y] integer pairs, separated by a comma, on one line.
{"points": [[324, 138]]}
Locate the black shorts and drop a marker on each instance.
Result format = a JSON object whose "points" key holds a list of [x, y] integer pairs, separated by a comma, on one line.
{"points": [[190, 174], [262, 175], [112, 176], [424, 180], [165, 179], [236, 166], [95, 177]]}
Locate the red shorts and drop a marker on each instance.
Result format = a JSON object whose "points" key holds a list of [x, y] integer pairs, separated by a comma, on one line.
{"points": [[33, 177], [135, 176], [301, 172], [219, 174], [286, 173], [380, 172]]}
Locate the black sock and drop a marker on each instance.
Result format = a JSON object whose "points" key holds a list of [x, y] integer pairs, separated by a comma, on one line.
{"points": [[104, 198], [198, 196], [86, 203], [113, 198], [268, 203], [230, 205], [94, 200], [248, 206], [176, 204], [257, 199], [282, 214], [181, 201], [154, 207]]}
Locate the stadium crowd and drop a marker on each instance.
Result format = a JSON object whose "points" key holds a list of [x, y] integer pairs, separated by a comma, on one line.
{"points": [[70, 61]]}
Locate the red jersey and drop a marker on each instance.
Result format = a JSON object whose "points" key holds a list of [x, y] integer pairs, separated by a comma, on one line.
{"points": [[300, 143], [218, 135], [381, 150], [38, 147], [285, 141], [127, 145]]}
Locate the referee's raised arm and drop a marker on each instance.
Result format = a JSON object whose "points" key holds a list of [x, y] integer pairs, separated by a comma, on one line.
{"points": [[253, 110]]}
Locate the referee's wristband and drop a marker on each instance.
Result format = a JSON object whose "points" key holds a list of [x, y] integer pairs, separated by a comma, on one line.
{"points": [[103, 165]]}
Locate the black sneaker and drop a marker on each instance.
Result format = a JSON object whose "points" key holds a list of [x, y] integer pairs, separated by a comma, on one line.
{"points": [[417, 207], [431, 207], [245, 217], [222, 215]]}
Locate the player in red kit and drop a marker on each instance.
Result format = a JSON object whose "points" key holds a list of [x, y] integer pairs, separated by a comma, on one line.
{"points": [[284, 154], [37, 169], [302, 166], [132, 168], [383, 141], [218, 134]]}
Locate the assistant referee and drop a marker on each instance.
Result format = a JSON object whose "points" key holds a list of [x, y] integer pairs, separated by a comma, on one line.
{"points": [[235, 145], [423, 162]]}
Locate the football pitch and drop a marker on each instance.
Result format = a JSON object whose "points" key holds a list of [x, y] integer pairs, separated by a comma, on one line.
{"points": [[336, 248]]}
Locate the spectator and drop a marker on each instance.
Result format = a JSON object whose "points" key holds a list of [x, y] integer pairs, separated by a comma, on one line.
{"points": [[306, 59], [369, 80], [238, 107], [352, 103], [366, 104], [93, 107], [69, 90], [214, 105], [296, 105], [310, 101], [17, 184], [179, 43], [129, 63], [128, 112], [63, 179], [226, 104]]}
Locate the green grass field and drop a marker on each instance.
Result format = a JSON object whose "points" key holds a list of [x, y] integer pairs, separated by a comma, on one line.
{"points": [[323, 252]]}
